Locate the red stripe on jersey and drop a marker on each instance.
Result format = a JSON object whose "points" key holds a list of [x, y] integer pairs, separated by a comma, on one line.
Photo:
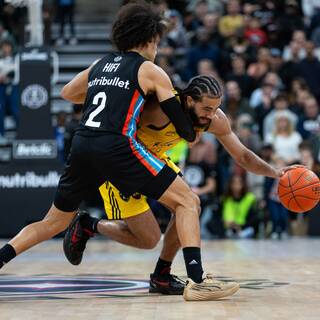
{"points": [[141, 159], [130, 112]]}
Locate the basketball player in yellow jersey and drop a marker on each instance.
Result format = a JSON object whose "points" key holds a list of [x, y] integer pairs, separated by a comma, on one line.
{"points": [[201, 99]]}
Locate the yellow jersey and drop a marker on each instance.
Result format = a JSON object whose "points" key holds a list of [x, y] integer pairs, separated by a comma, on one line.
{"points": [[159, 140]]}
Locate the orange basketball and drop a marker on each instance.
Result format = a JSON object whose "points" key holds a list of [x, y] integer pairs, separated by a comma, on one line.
{"points": [[299, 189]]}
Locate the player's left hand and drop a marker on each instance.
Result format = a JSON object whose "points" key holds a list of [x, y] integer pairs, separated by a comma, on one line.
{"points": [[282, 171]]}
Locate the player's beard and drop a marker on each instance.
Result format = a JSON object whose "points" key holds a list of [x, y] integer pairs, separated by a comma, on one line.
{"points": [[195, 119]]}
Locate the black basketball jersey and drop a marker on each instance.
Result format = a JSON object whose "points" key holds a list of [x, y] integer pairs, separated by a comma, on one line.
{"points": [[114, 99]]}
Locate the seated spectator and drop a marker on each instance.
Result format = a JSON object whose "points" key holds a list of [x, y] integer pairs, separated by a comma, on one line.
{"points": [[285, 140], [9, 96], [203, 49], [210, 23], [201, 7], [279, 103], [175, 38], [206, 67], [298, 99], [288, 71], [307, 157], [289, 20], [296, 49], [239, 212], [272, 80], [309, 122], [238, 73], [247, 132], [234, 103], [230, 23], [257, 70], [5, 35], [276, 61], [254, 33], [309, 69]]}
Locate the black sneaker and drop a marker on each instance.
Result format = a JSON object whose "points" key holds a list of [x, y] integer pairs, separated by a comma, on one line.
{"points": [[75, 239], [167, 284]]}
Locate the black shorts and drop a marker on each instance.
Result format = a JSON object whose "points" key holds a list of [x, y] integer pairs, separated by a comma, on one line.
{"points": [[109, 157]]}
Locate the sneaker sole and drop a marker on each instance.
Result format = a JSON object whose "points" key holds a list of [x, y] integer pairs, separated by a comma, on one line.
{"points": [[194, 295]]}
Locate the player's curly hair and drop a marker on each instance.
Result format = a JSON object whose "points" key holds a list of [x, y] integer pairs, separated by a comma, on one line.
{"points": [[136, 24]]}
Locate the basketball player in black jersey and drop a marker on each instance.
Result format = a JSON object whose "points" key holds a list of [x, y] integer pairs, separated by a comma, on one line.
{"points": [[105, 148]]}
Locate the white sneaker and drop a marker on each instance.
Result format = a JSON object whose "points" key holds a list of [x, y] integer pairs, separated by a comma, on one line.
{"points": [[209, 289]]}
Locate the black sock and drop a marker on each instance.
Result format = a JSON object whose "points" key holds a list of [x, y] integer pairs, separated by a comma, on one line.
{"points": [[90, 223], [163, 267], [7, 253], [192, 259]]}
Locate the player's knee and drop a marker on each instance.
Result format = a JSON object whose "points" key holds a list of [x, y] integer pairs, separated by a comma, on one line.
{"points": [[192, 202]]}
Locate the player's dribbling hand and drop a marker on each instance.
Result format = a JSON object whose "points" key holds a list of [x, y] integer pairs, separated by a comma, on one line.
{"points": [[282, 171]]}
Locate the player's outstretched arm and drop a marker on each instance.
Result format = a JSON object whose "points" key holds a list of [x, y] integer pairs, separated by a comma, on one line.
{"points": [[153, 79], [247, 159]]}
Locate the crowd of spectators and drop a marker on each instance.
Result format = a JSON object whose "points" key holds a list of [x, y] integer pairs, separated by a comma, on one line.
{"points": [[266, 54]]}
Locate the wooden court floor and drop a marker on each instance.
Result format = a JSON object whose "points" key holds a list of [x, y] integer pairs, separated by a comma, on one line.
{"points": [[279, 280]]}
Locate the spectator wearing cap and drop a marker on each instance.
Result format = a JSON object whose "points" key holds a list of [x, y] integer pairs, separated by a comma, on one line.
{"points": [[309, 123], [285, 139], [230, 23], [309, 69], [238, 73], [280, 103]]}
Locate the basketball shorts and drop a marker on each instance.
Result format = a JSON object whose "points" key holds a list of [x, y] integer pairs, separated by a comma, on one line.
{"points": [[95, 158], [118, 206]]}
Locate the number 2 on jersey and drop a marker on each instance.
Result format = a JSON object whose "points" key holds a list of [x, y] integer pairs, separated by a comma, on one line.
{"points": [[101, 106]]}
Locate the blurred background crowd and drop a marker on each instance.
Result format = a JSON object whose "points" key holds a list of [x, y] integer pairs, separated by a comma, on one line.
{"points": [[266, 54]]}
